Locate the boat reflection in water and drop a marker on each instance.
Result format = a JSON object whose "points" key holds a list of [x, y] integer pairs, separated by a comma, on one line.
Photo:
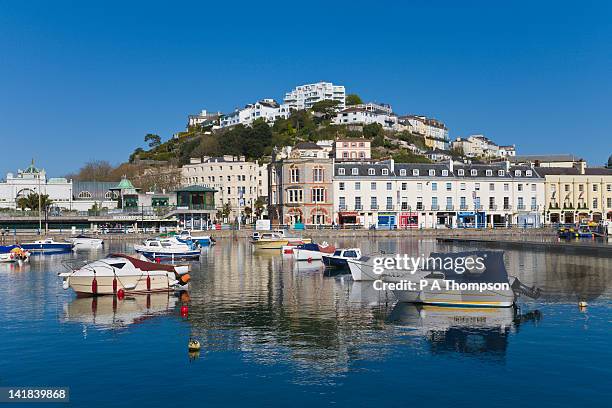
{"points": [[480, 332], [109, 312]]}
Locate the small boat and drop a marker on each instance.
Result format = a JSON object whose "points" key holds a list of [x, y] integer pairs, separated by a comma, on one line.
{"points": [[312, 252], [567, 233], [167, 248], [48, 245], [486, 284], [85, 242], [276, 240], [13, 253], [200, 238], [339, 258], [117, 272], [362, 269]]}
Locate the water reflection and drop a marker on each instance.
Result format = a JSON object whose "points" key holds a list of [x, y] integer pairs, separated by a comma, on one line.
{"points": [[109, 312]]}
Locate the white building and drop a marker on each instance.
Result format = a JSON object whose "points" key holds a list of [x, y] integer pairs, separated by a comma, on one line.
{"points": [[476, 146], [355, 115], [389, 195], [268, 109], [304, 96], [233, 177], [507, 151], [203, 118]]}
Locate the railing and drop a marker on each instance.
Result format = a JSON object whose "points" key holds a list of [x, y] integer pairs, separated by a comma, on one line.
{"points": [[492, 207], [450, 207], [463, 207], [374, 206], [477, 207], [507, 206], [342, 207], [358, 207], [534, 207], [389, 207], [435, 207], [520, 207]]}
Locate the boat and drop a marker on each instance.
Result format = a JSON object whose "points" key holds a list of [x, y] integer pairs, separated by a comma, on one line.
{"points": [[485, 284], [13, 253], [47, 245], [340, 256], [124, 273], [276, 240], [85, 242], [312, 252], [200, 238], [362, 269], [168, 248], [567, 233]]}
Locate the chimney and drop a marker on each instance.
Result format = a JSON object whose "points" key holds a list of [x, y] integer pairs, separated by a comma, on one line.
{"points": [[392, 165], [581, 166], [507, 165], [450, 165]]}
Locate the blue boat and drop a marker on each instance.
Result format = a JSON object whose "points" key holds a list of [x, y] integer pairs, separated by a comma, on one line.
{"points": [[5, 249], [48, 246], [339, 258]]}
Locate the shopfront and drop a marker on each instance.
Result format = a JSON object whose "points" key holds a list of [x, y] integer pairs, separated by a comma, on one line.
{"points": [[347, 218], [387, 220], [409, 220], [471, 219]]}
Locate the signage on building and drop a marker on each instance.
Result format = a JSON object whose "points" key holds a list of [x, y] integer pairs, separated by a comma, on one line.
{"points": [[262, 225]]}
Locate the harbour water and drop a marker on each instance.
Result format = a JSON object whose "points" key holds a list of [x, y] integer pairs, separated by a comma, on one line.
{"points": [[274, 332]]}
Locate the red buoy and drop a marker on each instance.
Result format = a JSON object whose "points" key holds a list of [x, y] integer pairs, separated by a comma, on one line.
{"points": [[120, 294], [184, 311], [94, 286], [309, 259], [115, 284], [148, 282]]}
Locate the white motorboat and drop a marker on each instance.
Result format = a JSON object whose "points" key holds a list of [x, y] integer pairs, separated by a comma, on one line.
{"points": [[312, 252], [340, 257], [484, 284], [167, 248], [362, 268], [84, 242], [108, 276], [199, 237]]}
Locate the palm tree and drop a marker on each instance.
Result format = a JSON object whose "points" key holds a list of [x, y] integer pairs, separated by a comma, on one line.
{"points": [[227, 210], [248, 212], [31, 201], [260, 205]]}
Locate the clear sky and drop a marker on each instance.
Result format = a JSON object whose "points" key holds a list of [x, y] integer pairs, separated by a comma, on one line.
{"points": [[81, 81]]}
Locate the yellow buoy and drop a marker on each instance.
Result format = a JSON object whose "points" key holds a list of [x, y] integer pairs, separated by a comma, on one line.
{"points": [[194, 345]]}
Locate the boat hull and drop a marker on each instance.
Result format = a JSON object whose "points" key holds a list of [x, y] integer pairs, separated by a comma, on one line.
{"points": [[335, 262], [83, 285], [55, 247], [270, 243], [194, 254], [307, 255]]}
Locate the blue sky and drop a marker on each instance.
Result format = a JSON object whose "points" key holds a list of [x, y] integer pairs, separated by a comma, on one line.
{"points": [[82, 82]]}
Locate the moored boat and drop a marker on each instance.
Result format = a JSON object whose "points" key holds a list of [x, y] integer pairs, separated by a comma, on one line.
{"points": [[48, 245], [339, 259], [117, 272], [167, 248], [13, 253], [85, 242], [312, 252], [275, 240]]}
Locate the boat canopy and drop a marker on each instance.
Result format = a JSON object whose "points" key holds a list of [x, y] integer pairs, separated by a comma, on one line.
{"points": [[144, 265], [494, 270], [309, 247]]}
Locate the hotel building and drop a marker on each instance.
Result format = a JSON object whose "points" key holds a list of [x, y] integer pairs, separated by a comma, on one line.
{"points": [[305, 96]]}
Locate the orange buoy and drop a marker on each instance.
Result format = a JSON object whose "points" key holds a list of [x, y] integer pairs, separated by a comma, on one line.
{"points": [[185, 278], [185, 297]]}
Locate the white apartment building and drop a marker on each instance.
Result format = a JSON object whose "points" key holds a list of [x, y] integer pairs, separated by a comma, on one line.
{"points": [[304, 96], [507, 151], [238, 182], [268, 109], [477, 146], [434, 131], [203, 118], [389, 195], [363, 116]]}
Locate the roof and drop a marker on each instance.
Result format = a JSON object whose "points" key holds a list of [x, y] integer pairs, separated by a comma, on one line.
{"points": [[546, 158], [196, 189], [31, 169], [353, 139], [124, 184], [307, 146], [572, 171]]}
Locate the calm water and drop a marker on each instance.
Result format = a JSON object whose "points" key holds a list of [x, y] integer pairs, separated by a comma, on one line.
{"points": [[274, 333]]}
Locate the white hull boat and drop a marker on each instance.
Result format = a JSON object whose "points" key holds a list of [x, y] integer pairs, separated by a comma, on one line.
{"points": [[167, 248], [83, 242], [312, 252], [124, 273]]}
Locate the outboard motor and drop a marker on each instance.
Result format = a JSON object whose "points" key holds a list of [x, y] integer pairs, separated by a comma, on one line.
{"points": [[519, 288]]}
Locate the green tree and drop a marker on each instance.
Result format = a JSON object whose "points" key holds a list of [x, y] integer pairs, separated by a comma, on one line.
{"points": [[405, 156], [353, 99], [371, 130], [31, 201], [227, 210], [248, 212], [325, 109], [260, 205], [138, 151], [153, 140]]}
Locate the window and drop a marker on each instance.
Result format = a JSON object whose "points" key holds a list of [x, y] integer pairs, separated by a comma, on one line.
{"points": [[518, 173], [371, 172], [434, 186], [520, 186], [373, 186], [491, 186], [357, 185], [419, 186], [108, 195], [491, 203], [567, 188], [345, 155], [83, 194], [388, 186], [415, 172], [501, 173], [477, 186], [460, 172], [506, 187], [373, 203], [354, 171], [580, 187], [489, 173], [609, 187], [385, 172], [609, 203], [361, 155], [463, 203], [317, 175], [434, 203], [506, 203], [295, 175], [521, 204], [595, 203], [389, 203], [449, 203], [534, 203], [533, 187], [445, 173], [318, 195], [528, 173], [342, 202], [594, 188], [295, 195], [432, 172], [341, 186], [402, 172], [449, 186], [229, 190], [473, 172], [358, 203], [462, 186], [229, 178], [419, 204]]}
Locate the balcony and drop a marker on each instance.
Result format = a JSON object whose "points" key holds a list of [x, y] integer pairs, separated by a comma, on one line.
{"points": [[463, 207], [342, 207], [389, 207], [358, 207], [477, 207], [507, 206], [450, 207], [434, 207], [520, 207], [492, 207], [373, 206]]}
